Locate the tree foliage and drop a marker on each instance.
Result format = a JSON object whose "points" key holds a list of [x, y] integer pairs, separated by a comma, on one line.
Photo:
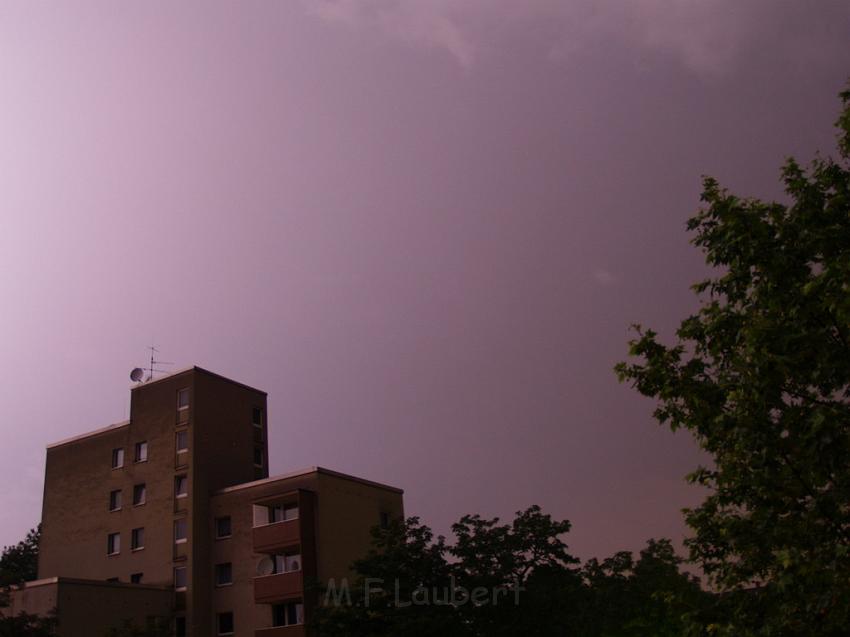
{"points": [[19, 563], [526, 580], [760, 375]]}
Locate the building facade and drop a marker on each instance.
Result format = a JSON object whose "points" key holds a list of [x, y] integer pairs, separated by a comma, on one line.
{"points": [[178, 499]]}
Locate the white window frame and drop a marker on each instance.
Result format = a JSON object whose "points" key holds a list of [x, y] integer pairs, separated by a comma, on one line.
{"points": [[138, 448], [144, 499], [229, 582], [185, 578], [185, 538], [299, 614], [133, 537], [283, 563], [183, 392], [185, 481], [113, 544], [117, 458], [184, 432], [262, 416]]}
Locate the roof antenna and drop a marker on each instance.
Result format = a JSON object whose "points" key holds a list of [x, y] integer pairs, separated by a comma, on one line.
{"points": [[153, 364]]}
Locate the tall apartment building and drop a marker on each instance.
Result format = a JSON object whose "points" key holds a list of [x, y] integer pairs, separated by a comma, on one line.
{"points": [[173, 512]]}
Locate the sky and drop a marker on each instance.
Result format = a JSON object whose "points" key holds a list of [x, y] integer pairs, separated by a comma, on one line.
{"points": [[424, 228]]}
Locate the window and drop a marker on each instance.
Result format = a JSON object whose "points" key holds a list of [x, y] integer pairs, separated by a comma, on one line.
{"points": [[225, 623], [179, 627], [117, 458], [140, 494], [287, 563], [181, 486], [137, 539], [113, 544], [288, 614], [183, 399], [258, 435], [384, 518], [141, 452], [115, 500], [180, 531], [136, 578], [282, 512], [223, 574], [180, 578], [258, 456], [182, 441], [223, 527], [257, 416]]}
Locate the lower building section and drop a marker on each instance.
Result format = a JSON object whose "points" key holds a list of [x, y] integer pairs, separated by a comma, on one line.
{"points": [[90, 608]]}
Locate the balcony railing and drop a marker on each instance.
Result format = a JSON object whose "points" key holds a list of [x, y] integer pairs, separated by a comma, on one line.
{"points": [[269, 537], [278, 587], [282, 631]]}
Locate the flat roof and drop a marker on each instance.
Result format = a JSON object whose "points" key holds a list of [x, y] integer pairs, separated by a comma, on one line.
{"points": [[303, 472], [124, 423], [88, 582], [89, 434], [194, 368]]}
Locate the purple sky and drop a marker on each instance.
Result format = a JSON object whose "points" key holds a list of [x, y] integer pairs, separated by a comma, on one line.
{"points": [[423, 228]]}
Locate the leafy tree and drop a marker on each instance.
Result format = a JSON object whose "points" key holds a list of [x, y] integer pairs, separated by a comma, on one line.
{"points": [[468, 589], [647, 596], [405, 558], [760, 375], [19, 563], [26, 625], [526, 568]]}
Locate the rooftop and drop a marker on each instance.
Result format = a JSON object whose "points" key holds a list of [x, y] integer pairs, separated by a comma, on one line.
{"points": [[118, 425], [193, 368], [86, 582], [303, 472], [89, 434]]}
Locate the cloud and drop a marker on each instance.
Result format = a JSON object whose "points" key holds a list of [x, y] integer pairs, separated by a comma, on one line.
{"points": [[604, 277], [708, 37], [428, 24]]}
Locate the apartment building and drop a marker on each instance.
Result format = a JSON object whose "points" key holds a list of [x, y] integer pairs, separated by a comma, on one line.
{"points": [[176, 504]]}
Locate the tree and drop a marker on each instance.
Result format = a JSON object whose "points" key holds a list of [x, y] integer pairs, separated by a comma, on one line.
{"points": [[19, 563], [405, 559], [760, 375], [526, 568], [494, 580], [647, 596], [26, 625]]}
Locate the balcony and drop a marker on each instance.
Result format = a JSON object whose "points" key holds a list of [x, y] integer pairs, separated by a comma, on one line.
{"points": [[278, 587], [282, 631], [276, 535]]}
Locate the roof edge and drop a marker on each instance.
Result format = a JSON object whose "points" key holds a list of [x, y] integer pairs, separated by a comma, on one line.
{"points": [[304, 472], [47, 581], [90, 434], [195, 368]]}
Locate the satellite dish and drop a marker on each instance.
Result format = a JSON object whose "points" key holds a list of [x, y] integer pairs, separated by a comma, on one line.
{"points": [[265, 566], [137, 374]]}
